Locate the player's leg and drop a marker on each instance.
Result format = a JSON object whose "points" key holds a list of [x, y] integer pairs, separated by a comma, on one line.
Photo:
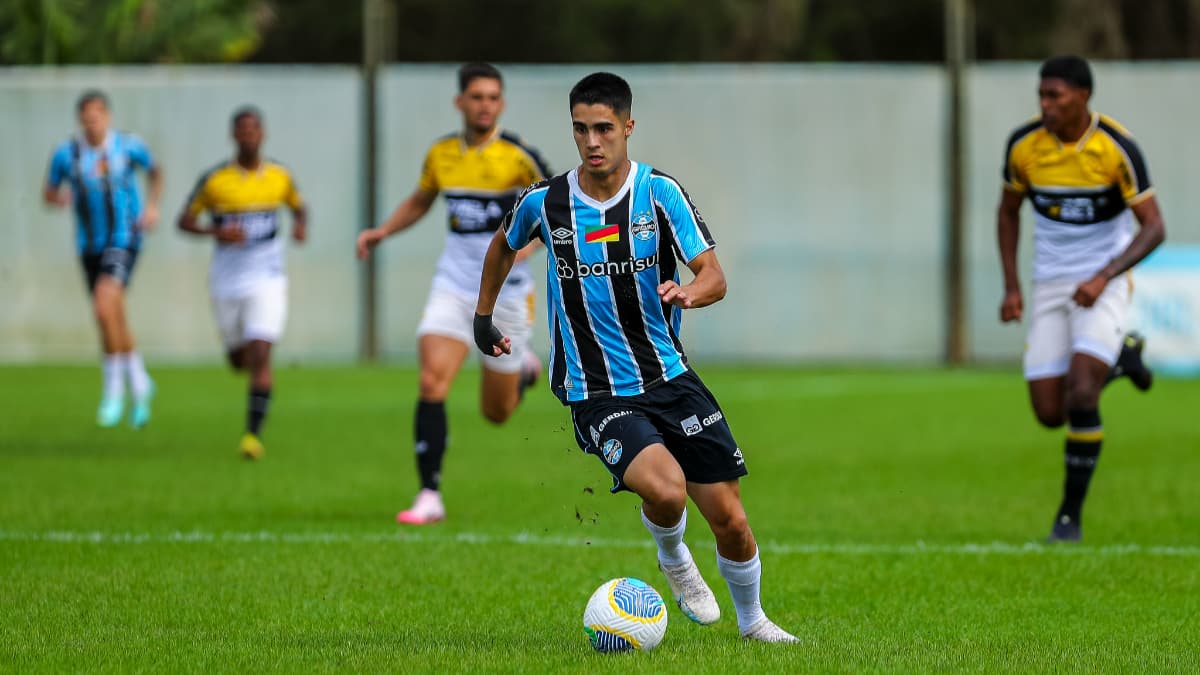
{"points": [[104, 298], [1096, 345], [441, 358], [112, 273], [263, 315], [1048, 352], [1129, 360], [505, 378]]}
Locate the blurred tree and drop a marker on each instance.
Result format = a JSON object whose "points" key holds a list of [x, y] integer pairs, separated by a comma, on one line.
{"points": [[129, 31]]}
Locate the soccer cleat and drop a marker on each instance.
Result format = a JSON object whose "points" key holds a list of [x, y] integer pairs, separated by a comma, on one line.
{"points": [[531, 370], [140, 416], [766, 631], [1130, 362], [111, 409], [427, 509], [250, 447], [1065, 530], [693, 596]]}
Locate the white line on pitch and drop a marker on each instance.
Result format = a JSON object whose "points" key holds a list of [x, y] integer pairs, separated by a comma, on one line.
{"points": [[528, 539]]}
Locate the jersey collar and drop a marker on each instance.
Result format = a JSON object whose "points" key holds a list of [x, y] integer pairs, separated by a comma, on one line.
{"points": [[462, 141], [573, 182], [1082, 139]]}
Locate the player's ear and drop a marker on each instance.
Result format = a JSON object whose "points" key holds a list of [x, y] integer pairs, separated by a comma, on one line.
{"points": [[629, 128], [458, 102]]}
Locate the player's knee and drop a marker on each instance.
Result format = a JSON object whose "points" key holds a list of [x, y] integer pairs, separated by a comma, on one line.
{"points": [[433, 387], [496, 412], [1082, 395], [1051, 419], [730, 527], [665, 498]]}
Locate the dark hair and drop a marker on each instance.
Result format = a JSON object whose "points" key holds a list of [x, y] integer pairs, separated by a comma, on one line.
{"points": [[245, 111], [90, 96], [473, 71], [603, 89], [1070, 69]]}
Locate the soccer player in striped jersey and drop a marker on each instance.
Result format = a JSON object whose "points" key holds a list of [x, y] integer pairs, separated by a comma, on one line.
{"points": [[99, 165], [614, 230], [1087, 182], [247, 282], [481, 170]]}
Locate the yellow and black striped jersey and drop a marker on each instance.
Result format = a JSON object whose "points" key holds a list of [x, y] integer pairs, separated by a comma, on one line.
{"points": [[481, 184], [251, 200], [1080, 193]]}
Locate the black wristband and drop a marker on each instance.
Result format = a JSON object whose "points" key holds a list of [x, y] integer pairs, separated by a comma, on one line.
{"points": [[486, 334]]}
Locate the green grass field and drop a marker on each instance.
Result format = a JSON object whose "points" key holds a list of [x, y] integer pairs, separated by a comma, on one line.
{"points": [[896, 512]]}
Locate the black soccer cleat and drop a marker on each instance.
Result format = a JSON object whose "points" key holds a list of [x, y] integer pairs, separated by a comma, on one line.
{"points": [[1130, 362], [1065, 530]]}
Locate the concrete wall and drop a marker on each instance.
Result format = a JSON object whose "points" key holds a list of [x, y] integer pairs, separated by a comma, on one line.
{"points": [[824, 186]]}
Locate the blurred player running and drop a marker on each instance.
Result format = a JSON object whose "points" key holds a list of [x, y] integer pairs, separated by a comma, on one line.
{"points": [[480, 170], [247, 280], [1084, 176], [613, 230], [99, 166]]}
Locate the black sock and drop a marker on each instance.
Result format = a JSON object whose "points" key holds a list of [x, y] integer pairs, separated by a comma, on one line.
{"points": [[430, 432], [256, 409], [1082, 450]]}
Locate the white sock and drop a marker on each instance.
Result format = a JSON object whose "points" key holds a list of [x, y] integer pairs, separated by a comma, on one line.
{"points": [[114, 382], [672, 552], [135, 369], [743, 580]]}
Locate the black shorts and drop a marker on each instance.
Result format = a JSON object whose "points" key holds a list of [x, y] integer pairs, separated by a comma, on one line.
{"points": [[111, 262], [681, 414]]}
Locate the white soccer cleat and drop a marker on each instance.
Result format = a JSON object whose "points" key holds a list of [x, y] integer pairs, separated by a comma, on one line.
{"points": [[693, 596], [427, 508], [766, 631]]}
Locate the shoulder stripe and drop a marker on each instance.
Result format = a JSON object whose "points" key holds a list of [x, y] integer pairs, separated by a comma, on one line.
{"points": [[534, 155], [1133, 155], [1014, 138]]}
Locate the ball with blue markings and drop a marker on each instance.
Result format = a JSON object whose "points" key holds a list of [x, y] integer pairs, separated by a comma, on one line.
{"points": [[625, 614]]}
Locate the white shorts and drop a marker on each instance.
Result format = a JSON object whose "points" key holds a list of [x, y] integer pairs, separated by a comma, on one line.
{"points": [[258, 315], [452, 314], [1059, 328]]}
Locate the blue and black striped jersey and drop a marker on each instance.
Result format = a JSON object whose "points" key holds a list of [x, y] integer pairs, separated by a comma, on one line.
{"points": [[612, 336]]}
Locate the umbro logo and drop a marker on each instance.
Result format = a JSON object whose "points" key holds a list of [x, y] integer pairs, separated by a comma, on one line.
{"points": [[562, 235]]}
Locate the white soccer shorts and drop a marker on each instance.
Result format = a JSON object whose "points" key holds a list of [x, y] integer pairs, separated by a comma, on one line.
{"points": [[452, 314], [258, 315], [1059, 328]]}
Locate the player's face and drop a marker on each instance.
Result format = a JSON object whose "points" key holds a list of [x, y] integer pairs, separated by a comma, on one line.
{"points": [[1063, 105], [481, 104], [94, 119], [601, 136], [248, 134]]}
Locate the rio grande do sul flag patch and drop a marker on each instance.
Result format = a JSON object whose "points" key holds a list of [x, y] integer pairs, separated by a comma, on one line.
{"points": [[602, 234]]}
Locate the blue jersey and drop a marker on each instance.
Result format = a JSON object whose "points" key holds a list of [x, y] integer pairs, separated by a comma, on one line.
{"points": [[104, 186], [612, 336]]}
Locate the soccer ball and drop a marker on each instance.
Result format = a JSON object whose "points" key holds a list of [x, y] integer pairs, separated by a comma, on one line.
{"points": [[625, 614]]}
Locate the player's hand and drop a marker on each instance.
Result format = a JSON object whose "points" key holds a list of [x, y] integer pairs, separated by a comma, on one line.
{"points": [[672, 293], [299, 233], [62, 197], [1090, 290], [488, 338], [230, 234], [1011, 307], [148, 219], [367, 240]]}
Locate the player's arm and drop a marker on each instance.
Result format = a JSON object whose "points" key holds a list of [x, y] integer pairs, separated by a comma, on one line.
{"points": [[1008, 233], [708, 285], [149, 217], [54, 192], [497, 263], [1151, 233], [406, 214], [198, 203], [300, 223]]}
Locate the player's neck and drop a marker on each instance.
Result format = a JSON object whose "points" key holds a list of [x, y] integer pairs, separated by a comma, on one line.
{"points": [[249, 162], [1070, 134], [604, 188], [474, 138], [96, 140]]}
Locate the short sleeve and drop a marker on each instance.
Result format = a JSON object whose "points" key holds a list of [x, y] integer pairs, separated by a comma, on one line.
{"points": [[198, 202], [521, 224], [689, 233], [292, 196], [1014, 177], [536, 166], [428, 182], [1130, 171], [60, 166], [139, 153]]}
